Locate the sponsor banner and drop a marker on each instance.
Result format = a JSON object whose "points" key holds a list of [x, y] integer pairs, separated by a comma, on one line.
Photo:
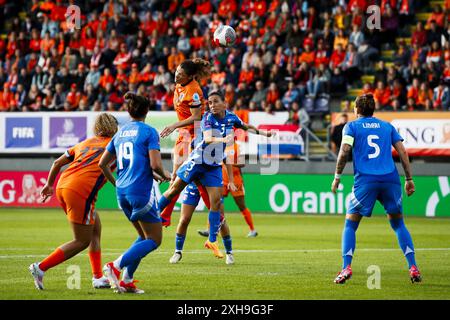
{"points": [[425, 133], [286, 142], [281, 194], [23, 132], [425, 137], [66, 132], [22, 189]]}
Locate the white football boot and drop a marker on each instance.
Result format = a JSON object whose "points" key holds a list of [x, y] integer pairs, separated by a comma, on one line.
{"points": [[38, 275]]}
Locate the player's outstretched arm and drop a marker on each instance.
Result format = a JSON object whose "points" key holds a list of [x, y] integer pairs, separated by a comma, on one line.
{"points": [[47, 190], [104, 163], [340, 165], [157, 166], [403, 154], [196, 115], [253, 129]]}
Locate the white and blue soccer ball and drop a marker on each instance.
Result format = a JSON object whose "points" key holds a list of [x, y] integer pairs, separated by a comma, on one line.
{"points": [[224, 36]]}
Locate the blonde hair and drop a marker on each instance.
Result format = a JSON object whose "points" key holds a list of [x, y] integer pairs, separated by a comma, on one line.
{"points": [[105, 125]]}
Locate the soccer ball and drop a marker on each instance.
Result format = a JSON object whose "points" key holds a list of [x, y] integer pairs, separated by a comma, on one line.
{"points": [[224, 36]]}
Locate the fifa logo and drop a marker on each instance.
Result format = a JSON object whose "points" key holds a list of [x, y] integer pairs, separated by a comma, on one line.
{"points": [[73, 17]]}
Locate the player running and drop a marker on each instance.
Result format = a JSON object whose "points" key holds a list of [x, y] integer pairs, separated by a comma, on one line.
{"points": [[191, 199], [190, 105], [205, 162], [76, 191], [136, 149], [376, 178], [238, 195]]}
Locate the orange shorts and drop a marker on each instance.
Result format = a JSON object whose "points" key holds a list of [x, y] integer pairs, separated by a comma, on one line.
{"points": [[77, 209], [238, 182]]}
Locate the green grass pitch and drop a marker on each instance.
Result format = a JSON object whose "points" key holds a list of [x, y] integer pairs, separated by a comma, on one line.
{"points": [[294, 257]]}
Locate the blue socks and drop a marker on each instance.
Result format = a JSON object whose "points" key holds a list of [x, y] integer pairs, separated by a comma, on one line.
{"points": [[404, 240], [131, 269], [162, 203], [227, 244], [349, 241], [214, 224], [179, 241], [137, 251]]}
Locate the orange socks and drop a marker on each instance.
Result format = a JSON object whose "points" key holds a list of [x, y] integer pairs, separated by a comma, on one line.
{"points": [[96, 263], [167, 212], [55, 258], [248, 218]]}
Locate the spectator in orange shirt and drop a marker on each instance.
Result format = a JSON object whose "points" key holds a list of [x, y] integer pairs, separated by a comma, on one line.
{"points": [[272, 93], [106, 78], [424, 96], [147, 75], [307, 56], [175, 59], [246, 75], [320, 55], [337, 57], [382, 96], [218, 75], [7, 101], [73, 97], [47, 43], [121, 77], [260, 7], [438, 16], [123, 58], [197, 41], [225, 7], [35, 42], [413, 90], [435, 53], [89, 41], [135, 76]]}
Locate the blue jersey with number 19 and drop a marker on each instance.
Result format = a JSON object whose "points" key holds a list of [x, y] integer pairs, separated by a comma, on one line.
{"points": [[372, 140], [131, 145]]}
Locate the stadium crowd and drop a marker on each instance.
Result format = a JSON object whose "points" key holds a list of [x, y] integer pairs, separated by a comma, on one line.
{"points": [[286, 51]]}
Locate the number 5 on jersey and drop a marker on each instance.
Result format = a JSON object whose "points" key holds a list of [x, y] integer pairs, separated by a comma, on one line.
{"points": [[372, 144], [125, 152]]}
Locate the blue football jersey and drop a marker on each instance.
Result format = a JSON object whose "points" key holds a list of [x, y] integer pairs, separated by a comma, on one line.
{"points": [[131, 145], [372, 140], [213, 154]]}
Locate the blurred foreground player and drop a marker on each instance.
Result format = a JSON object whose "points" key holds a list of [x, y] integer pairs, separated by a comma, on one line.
{"points": [[77, 192]]}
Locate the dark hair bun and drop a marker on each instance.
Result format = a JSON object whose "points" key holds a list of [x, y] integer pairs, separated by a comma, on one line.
{"points": [[130, 96]]}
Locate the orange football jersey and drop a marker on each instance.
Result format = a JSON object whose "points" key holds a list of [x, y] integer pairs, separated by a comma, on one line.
{"points": [[187, 97], [83, 174]]}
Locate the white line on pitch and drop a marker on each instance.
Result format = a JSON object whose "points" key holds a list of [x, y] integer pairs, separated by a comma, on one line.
{"points": [[110, 253]]}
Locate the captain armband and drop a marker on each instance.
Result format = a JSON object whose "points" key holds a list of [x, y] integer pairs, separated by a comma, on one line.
{"points": [[348, 140]]}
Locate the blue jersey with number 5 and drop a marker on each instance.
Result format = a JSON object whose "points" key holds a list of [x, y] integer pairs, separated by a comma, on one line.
{"points": [[372, 140], [131, 145]]}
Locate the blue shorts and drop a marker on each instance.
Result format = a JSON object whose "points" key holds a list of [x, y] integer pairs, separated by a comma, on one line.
{"points": [[209, 176], [139, 208], [363, 198], [191, 195]]}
